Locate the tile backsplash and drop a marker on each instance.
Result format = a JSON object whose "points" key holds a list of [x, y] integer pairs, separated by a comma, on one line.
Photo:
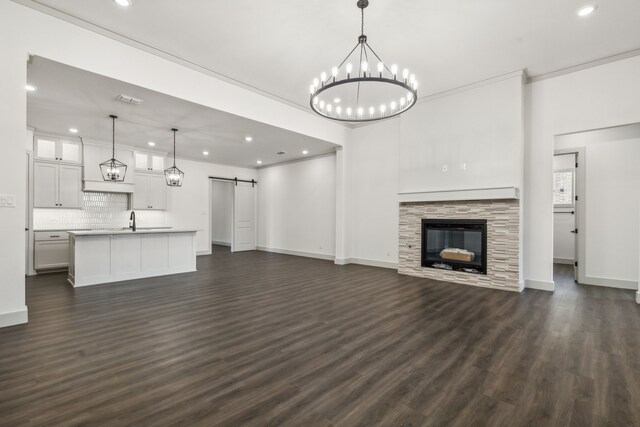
{"points": [[99, 211]]}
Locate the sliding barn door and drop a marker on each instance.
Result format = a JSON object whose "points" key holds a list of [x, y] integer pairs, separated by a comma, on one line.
{"points": [[244, 221]]}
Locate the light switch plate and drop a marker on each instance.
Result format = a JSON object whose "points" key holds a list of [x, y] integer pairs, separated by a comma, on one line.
{"points": [[7, 201]]}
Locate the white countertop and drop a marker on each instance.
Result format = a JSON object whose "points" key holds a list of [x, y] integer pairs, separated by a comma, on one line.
{"points": [[128, 231]]}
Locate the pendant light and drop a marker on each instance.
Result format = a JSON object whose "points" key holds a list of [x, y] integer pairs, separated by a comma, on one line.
{"points": [[366, 92], [113, 170], [173, 175]]}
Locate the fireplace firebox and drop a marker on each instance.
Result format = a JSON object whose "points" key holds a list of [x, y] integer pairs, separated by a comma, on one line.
{"points": [[455, 244]]}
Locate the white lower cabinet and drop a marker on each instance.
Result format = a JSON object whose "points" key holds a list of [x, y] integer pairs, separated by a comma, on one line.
{"points": [[51, 250], [149, 192]]}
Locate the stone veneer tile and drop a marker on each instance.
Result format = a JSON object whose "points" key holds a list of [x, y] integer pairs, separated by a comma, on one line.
{"points": [[503, 240]]}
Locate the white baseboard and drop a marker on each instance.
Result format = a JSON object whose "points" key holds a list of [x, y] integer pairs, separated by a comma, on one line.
{"points": [[567, 261], [14, 317], [205, 252], [296, 253], [215, 242], [539, 284], [369, 262], [609, 283]]}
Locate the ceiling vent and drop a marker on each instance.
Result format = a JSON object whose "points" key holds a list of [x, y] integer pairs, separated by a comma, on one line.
{"points": [[129, 99], [281, 152]]}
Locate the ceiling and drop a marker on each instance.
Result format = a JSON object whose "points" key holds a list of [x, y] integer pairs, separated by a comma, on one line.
{"points": [[278, 47], [68, 97]]}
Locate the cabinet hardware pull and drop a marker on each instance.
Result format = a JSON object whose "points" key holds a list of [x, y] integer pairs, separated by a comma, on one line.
{"points": [[54, 236]]}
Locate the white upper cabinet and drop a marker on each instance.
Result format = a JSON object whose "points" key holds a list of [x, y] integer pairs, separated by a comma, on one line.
{"points": [[56, 186], [150, 192], [57, 150], [149, 162]]}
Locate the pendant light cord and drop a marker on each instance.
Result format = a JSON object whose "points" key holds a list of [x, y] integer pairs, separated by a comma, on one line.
{"points": [[174, 148], [113, 138], [362, 22]]}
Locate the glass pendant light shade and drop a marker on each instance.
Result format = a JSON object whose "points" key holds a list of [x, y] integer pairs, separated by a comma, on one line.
{"points": [[113, 170], [174, 176]]}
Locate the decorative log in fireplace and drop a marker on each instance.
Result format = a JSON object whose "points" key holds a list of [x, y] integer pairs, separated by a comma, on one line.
{"points": [[455, 244]]}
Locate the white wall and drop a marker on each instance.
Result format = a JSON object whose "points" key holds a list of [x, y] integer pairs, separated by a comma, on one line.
{"points": [[372, 194], [611, 209], [189, 207], [32, 32], [296, 207], [564, 247], [221, 212], [480, 127], [594, 98]]}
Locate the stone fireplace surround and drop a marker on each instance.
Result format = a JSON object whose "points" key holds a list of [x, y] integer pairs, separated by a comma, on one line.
{"points": [[503, 240]]}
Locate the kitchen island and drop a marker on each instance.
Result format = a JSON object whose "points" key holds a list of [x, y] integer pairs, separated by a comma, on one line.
{"points": [[104, 256]]}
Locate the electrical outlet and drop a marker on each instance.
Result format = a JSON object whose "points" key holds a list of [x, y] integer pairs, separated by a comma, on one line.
{"points": [[445, 168]]}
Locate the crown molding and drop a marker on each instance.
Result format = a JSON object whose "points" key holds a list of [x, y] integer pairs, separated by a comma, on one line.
{"points": [[585, 65], [304, 159], [87, 25]]}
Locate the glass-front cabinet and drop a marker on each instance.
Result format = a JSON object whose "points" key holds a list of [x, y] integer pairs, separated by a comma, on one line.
{"points": [[149, 162], [57, 149]]}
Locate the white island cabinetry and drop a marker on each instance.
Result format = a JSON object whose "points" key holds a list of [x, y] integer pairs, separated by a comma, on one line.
{"points": [[105, 256]]}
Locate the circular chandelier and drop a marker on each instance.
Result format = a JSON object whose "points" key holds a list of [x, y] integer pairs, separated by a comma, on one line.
{"points": [[363, 94]]}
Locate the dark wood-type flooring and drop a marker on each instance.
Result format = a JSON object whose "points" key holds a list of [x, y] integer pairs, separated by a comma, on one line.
{"points": [[262, 339]]}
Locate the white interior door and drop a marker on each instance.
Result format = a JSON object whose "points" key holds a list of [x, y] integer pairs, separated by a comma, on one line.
{"points": [[244, 227]]}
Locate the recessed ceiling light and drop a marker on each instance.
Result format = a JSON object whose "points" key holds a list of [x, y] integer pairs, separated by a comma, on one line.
{"points": [[305, 152], [124, 3], [248, 138], [259, 162], [31, 88], [73, 130], [206, 153], [151, 143], [587, 10], [337, 100]]}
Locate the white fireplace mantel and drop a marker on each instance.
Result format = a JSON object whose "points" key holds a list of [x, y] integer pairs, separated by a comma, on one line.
{"points": [[497, 193]]}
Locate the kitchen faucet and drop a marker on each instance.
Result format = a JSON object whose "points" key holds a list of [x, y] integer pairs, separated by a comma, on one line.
{"points": [[132, 218]]}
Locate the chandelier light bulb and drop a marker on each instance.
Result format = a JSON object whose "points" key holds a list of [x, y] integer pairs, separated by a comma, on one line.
{"points": [[405, 73], [315, 100], [329, 108], [349, 111], [383, 108], [402, 102], [380, 68], [394, 70], [322, 105], [338, 110], [409, 97], [334, 72], [364, 66], [415, 85], [323, 77], [360, 112], [349, 69], [372, 111], [393, 105]]}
